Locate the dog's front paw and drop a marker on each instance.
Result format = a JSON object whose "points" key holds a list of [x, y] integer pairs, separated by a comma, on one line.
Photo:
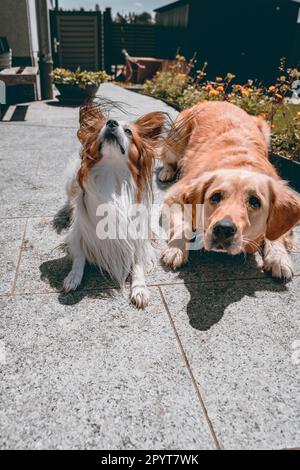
{"points": [[140, 297], [280, 267], [174, 257], [166, 174], [72, 281]]}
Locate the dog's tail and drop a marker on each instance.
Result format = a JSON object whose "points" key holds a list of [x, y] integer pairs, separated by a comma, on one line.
{"points": [[64, 218]]}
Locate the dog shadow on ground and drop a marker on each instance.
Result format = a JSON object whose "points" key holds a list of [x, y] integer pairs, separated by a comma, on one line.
{"points": [[93, 285], [234, 279]]}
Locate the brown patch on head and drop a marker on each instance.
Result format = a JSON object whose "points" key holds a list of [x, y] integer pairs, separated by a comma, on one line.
{"points": [[284, 210], [91, 122]]}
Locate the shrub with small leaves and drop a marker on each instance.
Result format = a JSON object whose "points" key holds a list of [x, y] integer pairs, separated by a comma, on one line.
{"points": [[82, 78], [185, 89]]}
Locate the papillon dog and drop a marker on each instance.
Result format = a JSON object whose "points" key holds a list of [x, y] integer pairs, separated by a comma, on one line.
{"points": [[113, 174]]}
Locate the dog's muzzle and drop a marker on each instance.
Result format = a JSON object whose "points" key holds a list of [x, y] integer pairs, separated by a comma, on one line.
{"points": [[111, 134]]}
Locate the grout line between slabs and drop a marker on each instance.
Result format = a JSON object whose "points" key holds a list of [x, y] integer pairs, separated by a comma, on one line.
{"points": [[154, 286], [28, 217], [46, 126], [186, 360], [19, 260]]}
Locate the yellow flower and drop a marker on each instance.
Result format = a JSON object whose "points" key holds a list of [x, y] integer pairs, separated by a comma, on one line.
{"points": [[278, 96], [297, 117], [219, 79], [213, 93], [245, 92], [221, 89]]}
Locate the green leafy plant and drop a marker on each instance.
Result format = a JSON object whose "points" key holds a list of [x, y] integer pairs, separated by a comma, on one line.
{"points": [[81, 78], [172, 83]]}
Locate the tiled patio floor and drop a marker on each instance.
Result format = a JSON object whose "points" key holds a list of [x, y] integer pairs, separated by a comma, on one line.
{"points": [[212, 363]]}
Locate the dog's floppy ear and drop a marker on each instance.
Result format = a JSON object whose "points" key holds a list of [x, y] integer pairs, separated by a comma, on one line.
{"points": [[194, 192], [152, 125], [264, 128], [190, 193], [284, 210]]}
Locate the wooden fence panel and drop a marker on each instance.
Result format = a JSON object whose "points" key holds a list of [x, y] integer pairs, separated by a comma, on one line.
{"points": [[77, 40]]}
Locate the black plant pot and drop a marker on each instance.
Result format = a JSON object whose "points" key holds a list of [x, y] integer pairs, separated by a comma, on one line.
{"points": [[75, 93], [288, 169]]}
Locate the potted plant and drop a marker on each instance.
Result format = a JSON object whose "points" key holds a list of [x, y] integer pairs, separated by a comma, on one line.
{"points": [[78, 85]]}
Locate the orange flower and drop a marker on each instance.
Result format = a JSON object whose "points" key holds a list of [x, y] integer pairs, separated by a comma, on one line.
{"points": [[272, 88], [245, 92], [209, 87], [278, 96], [221, 89], [213, 93], [263, 115], [219, 79], [297, 117]]}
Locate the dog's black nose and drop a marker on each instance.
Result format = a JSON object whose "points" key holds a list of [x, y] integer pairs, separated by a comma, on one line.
{"points": [[112, 124], [224, 230]]}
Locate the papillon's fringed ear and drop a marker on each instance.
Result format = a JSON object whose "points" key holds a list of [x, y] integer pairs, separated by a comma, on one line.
{"points": [[154, 126], [90, 120]]}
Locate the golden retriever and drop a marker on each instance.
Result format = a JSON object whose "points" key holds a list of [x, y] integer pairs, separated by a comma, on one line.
{"points": [[222, 155]]}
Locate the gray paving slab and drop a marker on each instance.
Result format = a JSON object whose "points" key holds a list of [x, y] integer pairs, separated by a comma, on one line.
{"points": [[86, 370], [11, 235], [44, 265], [18, 137], [99, 375], [34, 185], [240, 339]]}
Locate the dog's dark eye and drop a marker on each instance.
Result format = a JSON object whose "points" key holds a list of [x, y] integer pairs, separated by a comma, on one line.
{"points": [[216, 198], [254, 202], [128, 131]]}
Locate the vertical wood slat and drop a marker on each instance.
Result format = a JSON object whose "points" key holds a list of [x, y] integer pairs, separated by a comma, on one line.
{"points": [[79, 37]]}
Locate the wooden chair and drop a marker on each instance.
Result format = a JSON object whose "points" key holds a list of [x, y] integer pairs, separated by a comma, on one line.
{"points": [[139, 69]]}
